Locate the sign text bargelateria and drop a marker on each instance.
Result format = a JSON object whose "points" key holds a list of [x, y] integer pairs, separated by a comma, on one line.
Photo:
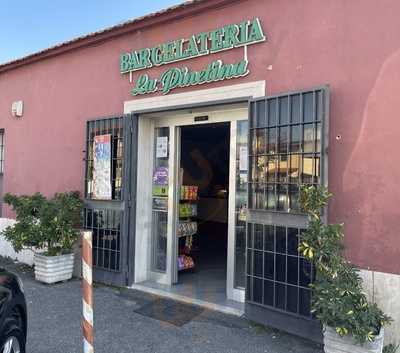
{"points": [[204, 43]]}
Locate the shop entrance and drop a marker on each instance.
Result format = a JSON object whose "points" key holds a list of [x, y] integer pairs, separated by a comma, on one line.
{"points": [[277, 144], [202, 217], [192, 175]]}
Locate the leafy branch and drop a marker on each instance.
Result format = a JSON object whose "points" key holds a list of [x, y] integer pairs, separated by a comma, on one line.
{"points": [[338, 299]]}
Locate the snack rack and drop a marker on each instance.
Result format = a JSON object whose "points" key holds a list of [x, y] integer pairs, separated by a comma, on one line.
{"points": [[187, 225]]}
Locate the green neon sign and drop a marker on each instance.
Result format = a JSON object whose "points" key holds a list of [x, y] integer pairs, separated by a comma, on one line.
{"points": [[204, 43]]}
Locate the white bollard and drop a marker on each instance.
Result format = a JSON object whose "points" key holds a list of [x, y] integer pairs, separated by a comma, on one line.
{"points": [[87, 291]]}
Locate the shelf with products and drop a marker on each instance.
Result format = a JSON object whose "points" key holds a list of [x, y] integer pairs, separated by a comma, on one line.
{"points": [[186, 228], [189, 193], [187, 225], [187, 210], [185, 262]]}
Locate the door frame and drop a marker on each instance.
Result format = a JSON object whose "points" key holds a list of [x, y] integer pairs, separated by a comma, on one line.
{"points": [[175, 121], [237, 93]]}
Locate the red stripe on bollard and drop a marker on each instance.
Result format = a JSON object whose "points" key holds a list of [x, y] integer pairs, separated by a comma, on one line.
{"points": [[87, 292]]}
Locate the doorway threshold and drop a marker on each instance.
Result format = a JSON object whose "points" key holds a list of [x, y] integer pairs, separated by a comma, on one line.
{"points": [[179, 293]]}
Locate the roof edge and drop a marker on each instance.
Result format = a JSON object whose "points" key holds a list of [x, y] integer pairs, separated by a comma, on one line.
{"points": [[188, 8]]}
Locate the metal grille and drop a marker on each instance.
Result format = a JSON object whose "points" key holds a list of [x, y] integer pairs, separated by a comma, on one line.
{"points": [[277, 276], [1, 151], [106, 226], [285, 149], [286, 144], [113, 127]]}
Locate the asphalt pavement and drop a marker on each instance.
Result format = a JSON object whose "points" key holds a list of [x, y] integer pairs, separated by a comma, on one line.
{"points": [[54, 314]]}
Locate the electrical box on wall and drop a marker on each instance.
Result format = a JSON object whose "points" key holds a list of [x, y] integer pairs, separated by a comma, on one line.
{"points": [[17, 109]]}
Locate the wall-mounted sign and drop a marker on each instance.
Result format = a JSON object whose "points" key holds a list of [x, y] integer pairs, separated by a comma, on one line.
{"points": [[102, 167], [204, 43]]}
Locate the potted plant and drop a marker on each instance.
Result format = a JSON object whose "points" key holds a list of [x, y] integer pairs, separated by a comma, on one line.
{"points": [[49, 228], [351, 324]]}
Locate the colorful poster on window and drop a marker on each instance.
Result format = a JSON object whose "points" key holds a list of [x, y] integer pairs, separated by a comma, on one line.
{"points": [[102, 167], [160, 176]]}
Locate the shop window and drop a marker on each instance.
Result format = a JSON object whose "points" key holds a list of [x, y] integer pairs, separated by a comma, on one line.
{"points": [[285, 141], [104, 161]]}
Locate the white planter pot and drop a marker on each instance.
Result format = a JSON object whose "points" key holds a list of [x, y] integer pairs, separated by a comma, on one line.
{"points": [[52, 269], [334, 343]]}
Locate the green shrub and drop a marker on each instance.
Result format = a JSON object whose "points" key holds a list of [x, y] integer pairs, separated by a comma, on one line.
{"points": [[42, 224], [338, 299]]}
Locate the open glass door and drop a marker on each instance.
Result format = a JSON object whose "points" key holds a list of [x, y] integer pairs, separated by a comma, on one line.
{"points": [[163, 267], [236, 278], [287, 142]]}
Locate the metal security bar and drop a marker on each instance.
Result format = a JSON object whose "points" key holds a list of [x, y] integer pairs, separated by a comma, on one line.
{"points": [[106, 225], [105, 217], [277, 276], [287, 146], [110, 211], [1, 151], [113, 127], [285, 149]]}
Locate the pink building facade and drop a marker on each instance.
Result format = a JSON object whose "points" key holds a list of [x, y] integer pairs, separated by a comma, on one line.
{"points": [[350, 47]]}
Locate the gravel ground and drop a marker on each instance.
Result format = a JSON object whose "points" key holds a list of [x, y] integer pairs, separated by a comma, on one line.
{"points": [[55, 324]]}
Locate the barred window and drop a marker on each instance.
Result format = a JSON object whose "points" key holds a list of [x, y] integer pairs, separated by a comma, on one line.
{"points": [[285, 145], [277, 275], [106, 226], [107, 134], [286, 151]]}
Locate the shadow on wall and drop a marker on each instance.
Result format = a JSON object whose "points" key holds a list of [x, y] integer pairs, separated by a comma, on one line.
{"points": [[373, 173]]}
